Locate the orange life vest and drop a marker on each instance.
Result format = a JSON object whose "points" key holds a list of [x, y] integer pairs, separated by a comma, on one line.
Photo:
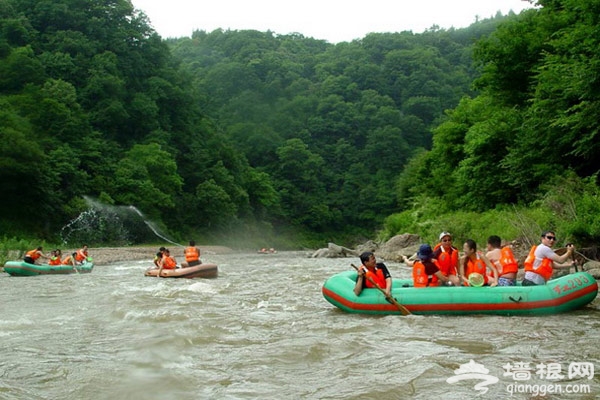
{"points": [[81, 255], [507, 261], [33, 254], [476, 266], [544, 269], [168, 262], [377, 276], [420, 277], [54, 261], [447, 261], [67, 261], [192, 254]]}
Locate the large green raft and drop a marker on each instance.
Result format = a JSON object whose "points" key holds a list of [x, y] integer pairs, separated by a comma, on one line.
{"points": [[21, 268], [559, 295]]}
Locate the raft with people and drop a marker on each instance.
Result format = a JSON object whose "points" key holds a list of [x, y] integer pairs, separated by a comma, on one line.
{"points": [[564, 294], [22, 268], [197, 271]]}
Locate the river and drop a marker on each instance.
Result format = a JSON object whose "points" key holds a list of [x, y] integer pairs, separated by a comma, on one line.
{"points": [[262, 330]]}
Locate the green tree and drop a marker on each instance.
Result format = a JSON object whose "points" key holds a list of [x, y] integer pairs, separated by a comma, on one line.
{"points": [[147, 179]]}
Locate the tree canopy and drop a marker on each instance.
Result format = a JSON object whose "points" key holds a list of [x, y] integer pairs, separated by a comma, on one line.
{"points": [[229, 129]]}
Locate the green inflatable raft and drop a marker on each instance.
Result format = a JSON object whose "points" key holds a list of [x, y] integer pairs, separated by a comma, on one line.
{"points": [[559, 295], [21, 268]]}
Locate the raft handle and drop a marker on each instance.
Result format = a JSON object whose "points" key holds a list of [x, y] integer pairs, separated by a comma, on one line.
{"points": [[516, 301]]}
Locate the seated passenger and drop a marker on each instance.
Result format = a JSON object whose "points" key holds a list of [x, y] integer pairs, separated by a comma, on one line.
{"points": [[371, 272], [70, 260], [504, 259], [476, 262], [447, 257], [425, 270], [542, 260], [55, 256], [192, 255], [167, 262]]}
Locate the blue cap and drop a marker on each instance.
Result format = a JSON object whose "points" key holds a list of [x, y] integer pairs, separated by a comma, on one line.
{"points": [[425, 252]]}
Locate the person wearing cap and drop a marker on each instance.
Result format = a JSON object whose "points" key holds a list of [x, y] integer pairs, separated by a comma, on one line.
{"points": [[447, 257], [476, 262], [541, 260], [426, 272], [378, 272], [504, 259]]}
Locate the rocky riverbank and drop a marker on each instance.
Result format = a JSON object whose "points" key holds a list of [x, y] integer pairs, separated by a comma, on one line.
{"points": [[108, 255], [408, 244]]}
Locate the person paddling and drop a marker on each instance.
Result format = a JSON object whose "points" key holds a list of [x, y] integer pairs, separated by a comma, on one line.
{"points": [[541, 261], [82, 254], [378, 272]]}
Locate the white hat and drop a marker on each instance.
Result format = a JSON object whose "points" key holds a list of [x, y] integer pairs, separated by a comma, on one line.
{"points": [[444, 234]]}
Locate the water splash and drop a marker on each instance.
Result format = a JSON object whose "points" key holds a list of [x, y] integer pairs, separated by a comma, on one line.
{"points": [[152, 226], [109, 224], [96, 226]]}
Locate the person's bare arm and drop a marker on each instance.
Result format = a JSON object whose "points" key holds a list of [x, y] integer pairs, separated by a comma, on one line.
{"points": [[359, 281]]}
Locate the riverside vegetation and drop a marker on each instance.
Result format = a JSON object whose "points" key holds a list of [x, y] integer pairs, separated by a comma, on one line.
{"points": [[255, 139]]}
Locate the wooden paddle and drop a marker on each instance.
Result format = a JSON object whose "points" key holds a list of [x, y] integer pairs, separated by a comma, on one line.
{"points": [[572, 257], [389, 298]]}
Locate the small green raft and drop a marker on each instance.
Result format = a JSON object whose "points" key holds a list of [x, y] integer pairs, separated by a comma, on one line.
{"points": [[21, 268], [563, 294]]}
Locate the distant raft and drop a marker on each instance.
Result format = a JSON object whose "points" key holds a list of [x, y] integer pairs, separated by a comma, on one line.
{"points": [[21, 268], [564, 294], [197, 271]]}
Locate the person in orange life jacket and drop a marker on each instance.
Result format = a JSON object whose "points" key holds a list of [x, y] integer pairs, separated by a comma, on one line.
{"points": [[167, 262], [159, 256], [425, 270], [55, 257], [474, 261], [192, 255], [376, 271], [82, 254], [70, 260], [542, 259], [33, 255], [503, 259], [447, 257]]}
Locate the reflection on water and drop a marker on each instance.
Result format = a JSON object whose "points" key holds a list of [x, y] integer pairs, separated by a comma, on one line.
{"points": [[260, 330]]}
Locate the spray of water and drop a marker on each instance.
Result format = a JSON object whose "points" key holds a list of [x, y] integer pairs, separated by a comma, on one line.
{"points": [[104, 224], [152, 226]]}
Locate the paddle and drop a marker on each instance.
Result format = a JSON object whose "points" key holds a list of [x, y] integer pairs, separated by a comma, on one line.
{"points": [[573, 258], [389, 298], [74, 262]]}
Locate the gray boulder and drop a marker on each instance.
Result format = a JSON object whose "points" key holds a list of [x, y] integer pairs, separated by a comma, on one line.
{"points": [[406, 244]]}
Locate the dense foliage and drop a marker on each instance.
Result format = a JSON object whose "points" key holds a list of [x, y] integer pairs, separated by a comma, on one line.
{"points": [[93, 103], [245, 131], [532, 128]]}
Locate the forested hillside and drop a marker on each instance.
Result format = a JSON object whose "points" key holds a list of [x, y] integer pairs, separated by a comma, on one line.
{"points": [[332, 126], [93, 103], [249, 131]]}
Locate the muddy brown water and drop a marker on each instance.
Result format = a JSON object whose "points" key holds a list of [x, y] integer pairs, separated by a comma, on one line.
{"points": [[262, 330]]}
